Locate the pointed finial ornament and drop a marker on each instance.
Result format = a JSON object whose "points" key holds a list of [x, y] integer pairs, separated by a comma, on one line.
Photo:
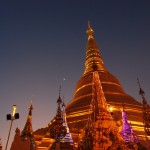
{"points": [[31, 106], [59, 101], [90, 32], [141, 92]]}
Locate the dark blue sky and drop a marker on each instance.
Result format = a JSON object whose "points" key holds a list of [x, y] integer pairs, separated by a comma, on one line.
{"points": [[43, 42]]}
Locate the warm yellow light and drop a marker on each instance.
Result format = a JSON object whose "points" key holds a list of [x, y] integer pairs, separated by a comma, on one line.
{"points": [[110, 109], [14, 110]]}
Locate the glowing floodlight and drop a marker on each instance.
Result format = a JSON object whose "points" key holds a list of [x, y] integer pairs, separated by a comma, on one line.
{"points": [[11, 117]]}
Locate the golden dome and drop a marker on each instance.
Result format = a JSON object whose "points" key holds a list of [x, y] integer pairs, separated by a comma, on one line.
{"points": [[78, 108]]}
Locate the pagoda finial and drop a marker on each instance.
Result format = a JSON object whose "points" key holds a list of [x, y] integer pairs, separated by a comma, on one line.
{"points": [[27, 132], [141, 92], [31, 106], [59, 101], [92, 53], [90, 32]]}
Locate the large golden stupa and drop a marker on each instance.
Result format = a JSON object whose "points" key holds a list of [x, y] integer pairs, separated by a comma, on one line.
{"points": [[78, 108]]}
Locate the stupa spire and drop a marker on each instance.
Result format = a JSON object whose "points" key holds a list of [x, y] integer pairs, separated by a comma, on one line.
{"points": [[90, 32], [17, 142], [60, 131], [146, 110], [101, 131], [92, 53], [59, 119], [68, 138], [27, 133], [56, 132], [127, 131], [128, 134]]}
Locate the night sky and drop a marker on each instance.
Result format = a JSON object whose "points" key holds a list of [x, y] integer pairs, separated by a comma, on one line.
{"points": [[43, 43]]}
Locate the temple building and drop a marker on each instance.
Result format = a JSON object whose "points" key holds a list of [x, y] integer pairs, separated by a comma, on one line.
{"points": [[77, 125], [25, 139], [18, 144], [101, 132], [56, 135], [78, 108], [59, 130]]}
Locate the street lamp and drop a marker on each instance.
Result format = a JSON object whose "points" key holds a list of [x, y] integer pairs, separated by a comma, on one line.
{"points": [[11, 117]]}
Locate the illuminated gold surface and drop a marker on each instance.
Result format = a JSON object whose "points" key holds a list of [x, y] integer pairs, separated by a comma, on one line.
{"points": [[78, 107]]}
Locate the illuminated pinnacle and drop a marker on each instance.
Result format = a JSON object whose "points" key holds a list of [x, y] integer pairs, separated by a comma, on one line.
{"points": [[30, 109], [90, 32]]}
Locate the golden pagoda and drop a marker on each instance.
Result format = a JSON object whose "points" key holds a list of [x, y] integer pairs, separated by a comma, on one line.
{"points": [[59, 130], [18, 144], [25, 139], [101, 132], [27, 133], [56, 135], [78, 108]]}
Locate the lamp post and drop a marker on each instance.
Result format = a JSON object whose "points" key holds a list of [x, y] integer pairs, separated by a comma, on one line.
{"points": [[11, 117]]}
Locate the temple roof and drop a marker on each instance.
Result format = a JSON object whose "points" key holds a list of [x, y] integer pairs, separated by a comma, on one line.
{"points": [[18, 144], [27, 133], [28, 126]]}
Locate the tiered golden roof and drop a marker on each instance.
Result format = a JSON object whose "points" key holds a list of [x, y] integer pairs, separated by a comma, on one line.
{"points": [[78, 108]]}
